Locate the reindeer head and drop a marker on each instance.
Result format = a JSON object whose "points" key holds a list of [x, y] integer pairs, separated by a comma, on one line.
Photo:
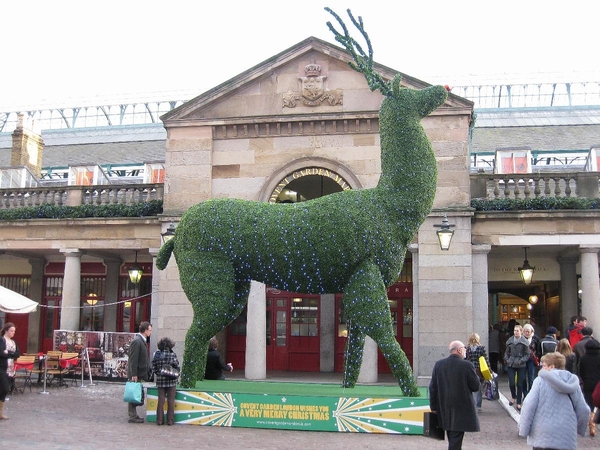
{"points": [[404, 102], [410, 104]]}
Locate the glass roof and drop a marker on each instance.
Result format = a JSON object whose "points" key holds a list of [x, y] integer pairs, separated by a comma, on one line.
{"points": [[496, 105]]}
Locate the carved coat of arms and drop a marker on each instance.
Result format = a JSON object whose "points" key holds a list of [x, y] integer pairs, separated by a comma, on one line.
{"points": [[313, 90]]}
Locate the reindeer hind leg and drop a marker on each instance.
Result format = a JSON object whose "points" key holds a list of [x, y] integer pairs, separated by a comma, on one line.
{"points": [[374, 319]]}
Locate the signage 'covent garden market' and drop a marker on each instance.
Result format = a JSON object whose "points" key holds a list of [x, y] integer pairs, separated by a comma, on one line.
{"points": [[299, 126]]}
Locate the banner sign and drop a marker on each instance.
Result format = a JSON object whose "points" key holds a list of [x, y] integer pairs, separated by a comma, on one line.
{"points": [[343, 414]]}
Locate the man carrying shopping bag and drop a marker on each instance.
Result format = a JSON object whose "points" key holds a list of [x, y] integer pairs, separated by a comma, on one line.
{"points": [[138, 365]]}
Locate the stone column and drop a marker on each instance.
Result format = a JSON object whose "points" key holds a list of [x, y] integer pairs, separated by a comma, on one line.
{"points": [[256, 332], [590, 285], [481, 320], [368, 368], [71, 296], [568, 291], [327, 332], [36, 293], [113, 267]]}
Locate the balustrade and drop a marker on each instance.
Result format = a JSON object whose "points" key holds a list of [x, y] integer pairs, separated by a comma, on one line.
{"points": [[124, 194], [535, 185]]}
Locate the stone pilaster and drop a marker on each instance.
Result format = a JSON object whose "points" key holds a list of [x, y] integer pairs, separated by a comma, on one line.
{"points": [[154, 306], [36, 293], [113, 267], [481, 321], [590, 285], [444, 307], [568, 291], [189, 162]]}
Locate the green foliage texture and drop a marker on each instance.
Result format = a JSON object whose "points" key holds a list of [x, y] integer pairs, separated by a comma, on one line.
{"points": [[536, 204], [142, 209]]}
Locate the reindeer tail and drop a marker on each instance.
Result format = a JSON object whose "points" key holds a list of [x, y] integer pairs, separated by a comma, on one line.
{"points": [[164, 254]]}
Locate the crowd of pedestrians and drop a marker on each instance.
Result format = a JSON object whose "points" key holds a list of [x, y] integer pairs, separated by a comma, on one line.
{"points": [[551, 382]]}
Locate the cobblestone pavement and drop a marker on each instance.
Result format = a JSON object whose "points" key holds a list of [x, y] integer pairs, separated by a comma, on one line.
{"points": [[95, 417]]}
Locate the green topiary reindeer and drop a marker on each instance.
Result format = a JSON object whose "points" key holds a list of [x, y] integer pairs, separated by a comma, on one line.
{"points": [[352, 242]]}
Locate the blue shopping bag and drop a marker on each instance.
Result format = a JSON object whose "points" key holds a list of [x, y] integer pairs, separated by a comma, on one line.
{"points": [[134, 393]]}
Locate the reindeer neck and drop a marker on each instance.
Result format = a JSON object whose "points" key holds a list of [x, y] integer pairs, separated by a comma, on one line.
{"points": [[408, 168]]}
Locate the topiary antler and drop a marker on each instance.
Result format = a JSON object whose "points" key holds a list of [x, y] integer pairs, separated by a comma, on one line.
{"points": [[364, 63]]}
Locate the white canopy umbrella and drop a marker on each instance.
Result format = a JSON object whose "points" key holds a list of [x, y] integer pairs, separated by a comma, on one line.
{"points": [[12, 302]]}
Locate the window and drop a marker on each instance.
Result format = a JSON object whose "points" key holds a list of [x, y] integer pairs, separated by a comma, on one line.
{"points": [[304, 317]]}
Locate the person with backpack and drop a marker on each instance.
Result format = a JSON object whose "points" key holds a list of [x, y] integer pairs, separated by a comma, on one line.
{"points": [[549, 343]]}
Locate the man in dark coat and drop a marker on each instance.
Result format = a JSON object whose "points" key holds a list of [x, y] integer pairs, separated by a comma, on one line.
{"points": [[138, 365], [450, 394]]}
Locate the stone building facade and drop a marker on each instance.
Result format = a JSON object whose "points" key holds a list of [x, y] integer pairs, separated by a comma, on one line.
{"points": [[300, 125]]}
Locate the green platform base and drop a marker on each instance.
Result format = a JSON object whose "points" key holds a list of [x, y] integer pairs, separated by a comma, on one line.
{"points": [[297, 406]]}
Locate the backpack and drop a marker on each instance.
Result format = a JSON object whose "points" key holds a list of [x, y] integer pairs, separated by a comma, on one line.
{"points": [[548, 346]]}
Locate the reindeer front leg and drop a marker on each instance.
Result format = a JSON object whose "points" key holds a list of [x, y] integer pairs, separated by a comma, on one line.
{"points": [[367, 309], [217, 298]]}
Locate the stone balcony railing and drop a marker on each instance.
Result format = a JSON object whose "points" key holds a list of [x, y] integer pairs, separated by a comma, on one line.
{"points": [[483, 185], [111, 194], [535, 185]]}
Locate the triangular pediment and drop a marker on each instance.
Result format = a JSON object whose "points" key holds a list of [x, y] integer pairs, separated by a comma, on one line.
{"points": [[278, 87]]}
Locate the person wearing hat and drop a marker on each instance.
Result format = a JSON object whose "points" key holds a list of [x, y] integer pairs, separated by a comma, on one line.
{"points": [[549, 343]]}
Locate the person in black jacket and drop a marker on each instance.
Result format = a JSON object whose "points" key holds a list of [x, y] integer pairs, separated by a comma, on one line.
{"points": [[450, 394], [214, 364]]}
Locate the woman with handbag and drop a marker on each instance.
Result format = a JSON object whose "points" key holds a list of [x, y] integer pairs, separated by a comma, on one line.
{"points": [[516, 357], [166, 369], [474, 351]]}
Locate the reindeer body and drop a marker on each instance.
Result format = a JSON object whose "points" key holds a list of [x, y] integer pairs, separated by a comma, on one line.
{"points": [[352, 242]]}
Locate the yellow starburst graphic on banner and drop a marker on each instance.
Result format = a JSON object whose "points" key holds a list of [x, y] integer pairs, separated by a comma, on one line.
{"points": [[378, 415], [203, 408]]}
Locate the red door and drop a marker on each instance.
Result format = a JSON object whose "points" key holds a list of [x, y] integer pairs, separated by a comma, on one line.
{"points": [[293, 341], [236, 340], [277, 332]]}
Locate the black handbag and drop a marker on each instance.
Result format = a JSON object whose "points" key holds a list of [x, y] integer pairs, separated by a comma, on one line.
{"points": [[431, 427], [169, 372]]}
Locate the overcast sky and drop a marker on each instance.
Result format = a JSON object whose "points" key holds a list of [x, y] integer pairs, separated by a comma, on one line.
{"points": [[55, 52]]}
